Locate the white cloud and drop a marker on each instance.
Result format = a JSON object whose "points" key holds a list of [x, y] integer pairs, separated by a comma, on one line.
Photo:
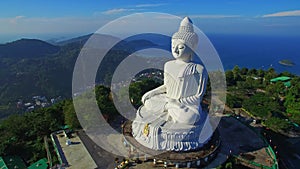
{"points": [[200, 16], [214, 16], [277, 25], [139, 7], [15, 19], [117, 11], [149, 5], [38, 25], [167, 17], [282, 14]]}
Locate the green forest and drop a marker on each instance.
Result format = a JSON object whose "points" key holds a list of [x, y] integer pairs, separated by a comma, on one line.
{"points": [[24, 77], [276, 104]]}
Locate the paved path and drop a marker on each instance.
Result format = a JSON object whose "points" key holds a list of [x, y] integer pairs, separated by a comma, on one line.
{"points": [[102, 158]]}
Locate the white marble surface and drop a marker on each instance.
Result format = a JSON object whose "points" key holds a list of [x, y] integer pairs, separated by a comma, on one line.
{"points": [[171, 117]]}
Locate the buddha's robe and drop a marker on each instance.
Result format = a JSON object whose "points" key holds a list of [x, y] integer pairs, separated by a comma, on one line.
{"points": [[180, 96]]}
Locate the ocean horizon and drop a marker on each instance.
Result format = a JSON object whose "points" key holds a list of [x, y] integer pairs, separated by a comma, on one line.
{"points": [[250, 51], [259, 52]]}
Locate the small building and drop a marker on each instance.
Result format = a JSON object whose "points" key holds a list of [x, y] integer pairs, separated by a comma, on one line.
{"points": [[28, 104], [41, 164], [285, 79], [20, 104], [12, 162]]}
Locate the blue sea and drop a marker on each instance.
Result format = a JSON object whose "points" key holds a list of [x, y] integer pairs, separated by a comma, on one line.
{"points": [[260, 52], [251, 51]]}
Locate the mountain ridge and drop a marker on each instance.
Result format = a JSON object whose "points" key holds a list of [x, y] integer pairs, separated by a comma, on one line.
{"points": [[50, 73], [27, 48]]}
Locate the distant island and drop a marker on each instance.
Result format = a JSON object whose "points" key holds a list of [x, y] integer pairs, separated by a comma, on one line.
{"points": [[286, 62]]}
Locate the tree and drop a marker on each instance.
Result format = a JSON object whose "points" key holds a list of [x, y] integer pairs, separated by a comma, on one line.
{"points": [[233, 101], [261, 105], [244, 71], [236, 70], [270, 74], [285, 73], [230, 78], [22, 135], [292, 100], [228, 165], [277, 124], [276, 89], [260, 73], [138, 89], [105, 101], [236, 73], [252, 72], [70, 115]]}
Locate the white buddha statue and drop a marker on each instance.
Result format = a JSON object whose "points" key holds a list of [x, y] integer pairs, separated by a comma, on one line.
{"points": [[171, 116]]}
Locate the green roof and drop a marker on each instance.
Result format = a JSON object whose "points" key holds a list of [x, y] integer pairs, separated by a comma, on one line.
{"points": [[65, 127], [287, 84], [41, 164], [2, 164], [12, 162], [281, 78]]}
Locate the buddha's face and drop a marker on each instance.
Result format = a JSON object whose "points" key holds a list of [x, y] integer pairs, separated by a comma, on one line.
{"points": [[180, 50]]}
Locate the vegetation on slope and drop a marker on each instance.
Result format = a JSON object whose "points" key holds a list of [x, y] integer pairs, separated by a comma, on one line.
{"points": [[271, 102]]}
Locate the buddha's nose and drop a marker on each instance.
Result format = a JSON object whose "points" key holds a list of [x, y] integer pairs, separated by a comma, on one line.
{"points": [[176, 50]]}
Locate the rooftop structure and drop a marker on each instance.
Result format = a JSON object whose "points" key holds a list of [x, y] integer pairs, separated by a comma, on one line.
{"points": [[41, 164], [281, 78], [284, 79], [12, 162], [71, 151]]}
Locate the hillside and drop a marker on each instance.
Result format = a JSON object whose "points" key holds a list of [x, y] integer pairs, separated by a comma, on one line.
{"points": [[22, 78], [27, 48], [81, 39], [46, 70]]}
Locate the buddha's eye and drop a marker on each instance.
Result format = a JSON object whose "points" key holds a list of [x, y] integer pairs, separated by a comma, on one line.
{"points": [[181, 46]]}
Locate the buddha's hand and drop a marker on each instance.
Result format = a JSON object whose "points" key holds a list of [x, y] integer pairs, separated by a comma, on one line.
{"points": [[173, 103], [147, 96], [159, 90]]}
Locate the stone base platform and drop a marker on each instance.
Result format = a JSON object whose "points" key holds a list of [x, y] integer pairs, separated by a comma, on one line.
{"points": [[200, 157]]}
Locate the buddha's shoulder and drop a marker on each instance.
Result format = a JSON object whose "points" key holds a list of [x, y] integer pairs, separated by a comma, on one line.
{"points": [[173, 63], [170, 63], [199, 68]]}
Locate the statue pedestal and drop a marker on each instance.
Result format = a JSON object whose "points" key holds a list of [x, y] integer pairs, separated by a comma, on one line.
{"points": [[161, 133], [198, 157]]}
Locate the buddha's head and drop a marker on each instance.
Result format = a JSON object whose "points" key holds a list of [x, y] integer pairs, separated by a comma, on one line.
{"points": [[185, 41]]}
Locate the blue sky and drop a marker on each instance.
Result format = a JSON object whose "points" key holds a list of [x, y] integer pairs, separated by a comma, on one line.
{"points": [[66, 18]]}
